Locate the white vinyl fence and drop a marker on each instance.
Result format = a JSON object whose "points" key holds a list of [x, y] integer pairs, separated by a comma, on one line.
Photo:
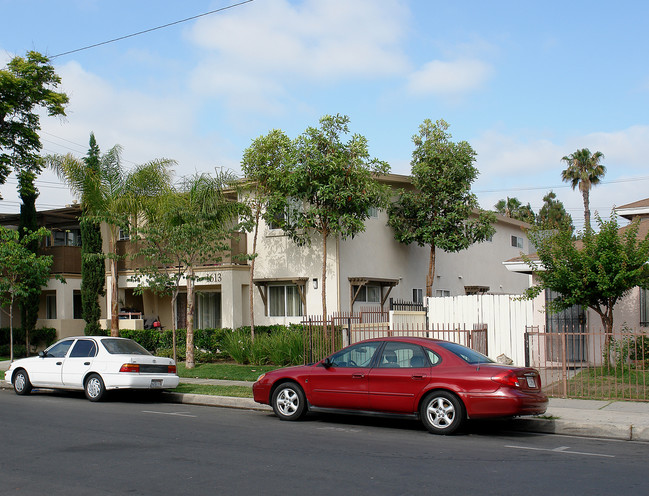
{"points": [[506, 318]]}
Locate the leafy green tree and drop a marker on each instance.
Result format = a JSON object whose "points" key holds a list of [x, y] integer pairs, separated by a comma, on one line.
{"points": [[514, 209], [183, 231], [28, 224], [93, 269], [584, 170], [113, 195], [440, 212], [264, 164], [553, 214], [20, 269], [26, 86], [335, 184], [596, 271]]}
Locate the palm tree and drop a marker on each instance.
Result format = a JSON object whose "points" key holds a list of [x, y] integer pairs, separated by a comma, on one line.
{"points": [[584, 170], [114, 195]]}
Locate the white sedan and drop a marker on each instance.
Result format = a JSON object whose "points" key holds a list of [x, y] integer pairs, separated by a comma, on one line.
{"points": [[95, 364]]}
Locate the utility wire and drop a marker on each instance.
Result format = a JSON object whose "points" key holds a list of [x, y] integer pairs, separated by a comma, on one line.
{"points": [[151, 29]]}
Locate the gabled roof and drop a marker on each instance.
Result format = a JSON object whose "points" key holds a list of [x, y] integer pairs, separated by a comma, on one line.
{"points": [[630, 211], [517, 264]]}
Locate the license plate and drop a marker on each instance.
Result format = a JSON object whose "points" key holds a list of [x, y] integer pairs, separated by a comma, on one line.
{"points": [[531, 382], [156, 383]]}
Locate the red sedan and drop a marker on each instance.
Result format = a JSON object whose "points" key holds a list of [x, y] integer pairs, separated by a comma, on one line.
{"points": [[439, 382]]}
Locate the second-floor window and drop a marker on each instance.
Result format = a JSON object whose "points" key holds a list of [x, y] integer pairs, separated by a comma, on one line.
{"points": [[64, 237], [417, 296], [517, 242]]}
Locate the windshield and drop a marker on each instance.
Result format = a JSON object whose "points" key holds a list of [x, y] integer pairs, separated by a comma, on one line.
{"points": [[466, 354], [117, 346]]}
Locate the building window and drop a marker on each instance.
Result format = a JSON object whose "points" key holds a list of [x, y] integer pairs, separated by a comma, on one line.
{"points": [[289, 215], [124, 235], [284, 301], [373, 212], [367, 294], [442, 292], [208, 310], [417, 296], [517, 242], [50, 306], [64, 237], [644, 307]]}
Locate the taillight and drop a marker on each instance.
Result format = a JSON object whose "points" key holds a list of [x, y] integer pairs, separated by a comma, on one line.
{"points": [[171, 369], [507, 378], [130, 367]]}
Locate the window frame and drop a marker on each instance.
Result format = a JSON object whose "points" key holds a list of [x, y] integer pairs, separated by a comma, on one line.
{"points": [[288, 300]]}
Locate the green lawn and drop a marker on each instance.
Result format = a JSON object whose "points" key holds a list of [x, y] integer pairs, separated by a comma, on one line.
{"points": [[236, 391], [624, 383], [225, 371]]}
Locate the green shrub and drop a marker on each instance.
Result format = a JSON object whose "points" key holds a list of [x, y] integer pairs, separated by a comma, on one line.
{"points": [[148, 338]]}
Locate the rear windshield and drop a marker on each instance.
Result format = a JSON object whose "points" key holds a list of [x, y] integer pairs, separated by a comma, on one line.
{"points": [[466, 354], [123, 347]]}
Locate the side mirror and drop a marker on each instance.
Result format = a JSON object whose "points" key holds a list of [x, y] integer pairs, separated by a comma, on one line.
{"points": [[41, 354], [326, 363]]}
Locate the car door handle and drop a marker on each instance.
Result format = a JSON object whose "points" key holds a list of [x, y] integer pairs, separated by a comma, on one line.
{"points": [[86, 363], [358, 376], [59, 363], [419, 377]]}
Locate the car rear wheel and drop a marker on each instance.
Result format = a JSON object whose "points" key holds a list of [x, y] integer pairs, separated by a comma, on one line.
{"points": [[289, 402], [442, 412], [21, 382], [94, 387]]}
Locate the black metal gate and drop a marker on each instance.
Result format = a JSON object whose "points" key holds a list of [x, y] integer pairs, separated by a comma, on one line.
{"points": [[572, 322]]}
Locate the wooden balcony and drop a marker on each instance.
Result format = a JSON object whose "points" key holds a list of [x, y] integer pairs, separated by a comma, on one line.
{"points": [[65, 259], [238, 247]]}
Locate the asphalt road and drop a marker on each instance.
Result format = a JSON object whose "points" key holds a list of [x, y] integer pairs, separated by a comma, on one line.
{"points": [[60, 443]]}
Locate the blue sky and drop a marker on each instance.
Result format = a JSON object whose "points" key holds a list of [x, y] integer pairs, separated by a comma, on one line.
{"points": [[525, 83]]}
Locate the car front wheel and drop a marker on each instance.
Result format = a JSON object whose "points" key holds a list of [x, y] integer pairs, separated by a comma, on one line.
{"points": [[94, 388], [289, 402], [21, 382], [442, 412]]}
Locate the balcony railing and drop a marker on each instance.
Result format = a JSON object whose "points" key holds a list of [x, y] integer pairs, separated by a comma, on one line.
{"points": [[65, 259], [127, 249]]}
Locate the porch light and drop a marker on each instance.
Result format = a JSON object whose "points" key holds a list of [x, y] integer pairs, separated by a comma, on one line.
{"points": [[315, 283]]}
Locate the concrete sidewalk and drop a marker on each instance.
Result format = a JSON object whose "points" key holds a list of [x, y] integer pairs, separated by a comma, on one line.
{"points": [[624, 420]]}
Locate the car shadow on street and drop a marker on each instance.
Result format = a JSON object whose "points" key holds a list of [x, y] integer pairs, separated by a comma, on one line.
{"points": [[481, 427]]}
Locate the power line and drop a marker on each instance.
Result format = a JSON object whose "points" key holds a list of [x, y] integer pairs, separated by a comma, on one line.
{"points": [[151, 29]]}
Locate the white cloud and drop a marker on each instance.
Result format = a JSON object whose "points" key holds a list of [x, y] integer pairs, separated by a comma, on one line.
{"points": [[449, 78], [312, 41]]}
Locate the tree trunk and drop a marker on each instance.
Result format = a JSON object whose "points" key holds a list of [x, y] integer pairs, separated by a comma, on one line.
{"points": [[430, 277], [174, 300], [189, 357], [251, 292], [114, 303], [324, 279], [11, 328], [586, 195]]}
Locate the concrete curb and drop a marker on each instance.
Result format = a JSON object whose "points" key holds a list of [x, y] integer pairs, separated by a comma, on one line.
{"points": [[581, 429], [220, 401]]}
